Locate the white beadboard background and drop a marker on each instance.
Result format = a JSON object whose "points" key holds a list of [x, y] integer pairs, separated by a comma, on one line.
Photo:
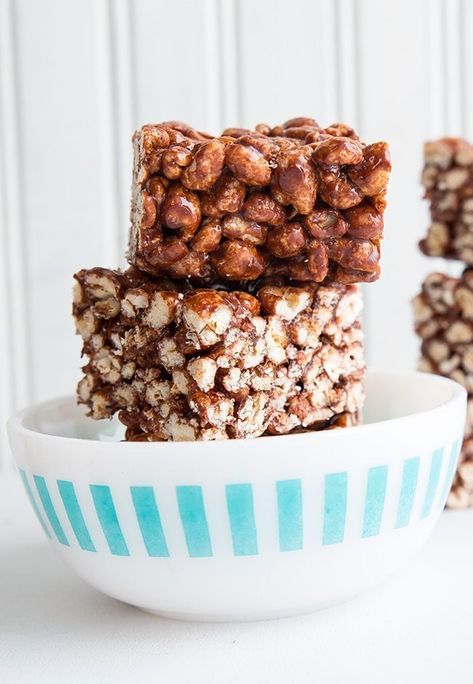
{"points": [[77, 76]]}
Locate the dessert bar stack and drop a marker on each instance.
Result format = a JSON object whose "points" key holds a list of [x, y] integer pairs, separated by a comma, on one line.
{"points": [[443, 311], [448, 182], [239, 314]]}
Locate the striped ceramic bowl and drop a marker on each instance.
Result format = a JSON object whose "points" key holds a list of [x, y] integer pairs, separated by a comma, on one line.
{"points": [[247, 529]]}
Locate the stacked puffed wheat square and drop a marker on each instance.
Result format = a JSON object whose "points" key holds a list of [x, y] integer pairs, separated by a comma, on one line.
{"points": [[443, 311], [239, 314]]}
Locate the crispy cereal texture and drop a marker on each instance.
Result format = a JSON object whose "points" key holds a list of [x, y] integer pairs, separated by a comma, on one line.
{"points": [[448, 182], [205, 364], [296, 200], [443, 315]]}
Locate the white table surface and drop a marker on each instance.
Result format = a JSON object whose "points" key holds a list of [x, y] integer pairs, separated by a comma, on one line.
{"points": [[417, 627]]}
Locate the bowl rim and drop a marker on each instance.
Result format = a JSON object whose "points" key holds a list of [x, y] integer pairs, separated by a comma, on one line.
{"points": [[15, 424]]}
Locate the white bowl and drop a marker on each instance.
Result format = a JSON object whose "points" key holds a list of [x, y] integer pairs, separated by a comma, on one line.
{"points": [[245, 529]]}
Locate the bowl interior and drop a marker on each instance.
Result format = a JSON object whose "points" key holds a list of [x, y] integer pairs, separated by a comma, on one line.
{"points": [[389, 395]]}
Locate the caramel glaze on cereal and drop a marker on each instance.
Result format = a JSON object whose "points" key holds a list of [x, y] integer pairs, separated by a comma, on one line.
{"points": [[297, 201]]}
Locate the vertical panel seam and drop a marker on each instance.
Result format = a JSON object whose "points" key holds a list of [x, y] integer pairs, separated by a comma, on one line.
{"points": [[347, 61], [6, 387], [436, 69], [229, 76], [108, 133], [352, 10], [238, 66], [212, 56], [16, 306], [452, 67], [452, 78], [222, 76], [463, 63], [339, 66], [330, 60], [358, 89], [443, 18], [123, 78], [467, 66]]}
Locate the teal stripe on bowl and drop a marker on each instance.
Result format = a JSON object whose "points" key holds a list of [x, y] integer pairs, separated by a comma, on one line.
{"points": [[335, 508], [434, 475], [194, 521], [29, 493], [242, 519], [451, 468], [45, 497], [289, 497], [108, 519], [149, 520], [374, 501], [74, 513], [410, 473]]}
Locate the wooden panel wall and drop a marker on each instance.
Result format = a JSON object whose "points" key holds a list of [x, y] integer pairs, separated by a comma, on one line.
{"points": [[77, 77]]}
